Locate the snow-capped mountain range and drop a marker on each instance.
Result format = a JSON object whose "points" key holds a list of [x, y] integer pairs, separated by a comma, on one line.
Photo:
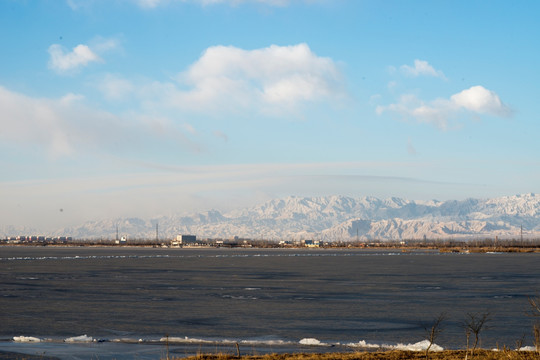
{"points": [[334, 218]]}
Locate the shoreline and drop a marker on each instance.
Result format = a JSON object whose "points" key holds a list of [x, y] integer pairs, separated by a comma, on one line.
{"points": [[401, 248], [231, 347], [478, 354], [10, 355]]}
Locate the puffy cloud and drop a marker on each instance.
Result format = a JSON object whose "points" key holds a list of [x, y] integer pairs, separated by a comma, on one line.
{"points": [[421, 67], [481, 100], [62, 61], [476, 100], [226, 79], [230, 77]]}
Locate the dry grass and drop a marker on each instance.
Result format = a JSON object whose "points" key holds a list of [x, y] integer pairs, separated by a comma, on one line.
{"points": [[383, 355], [474, 249]]}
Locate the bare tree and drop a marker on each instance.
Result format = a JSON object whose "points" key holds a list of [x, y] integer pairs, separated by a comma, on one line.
{"points": [[535, 313], [473, 324], [433, 330]]}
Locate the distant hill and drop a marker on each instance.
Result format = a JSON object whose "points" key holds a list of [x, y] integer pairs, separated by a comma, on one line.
{"points": [[332, 218]]}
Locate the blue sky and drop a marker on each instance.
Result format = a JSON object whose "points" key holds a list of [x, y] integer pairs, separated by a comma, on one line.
{"points": [[154, 107]]}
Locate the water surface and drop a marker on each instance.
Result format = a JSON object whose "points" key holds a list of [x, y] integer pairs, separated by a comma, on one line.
{"points": [[265, 299]]}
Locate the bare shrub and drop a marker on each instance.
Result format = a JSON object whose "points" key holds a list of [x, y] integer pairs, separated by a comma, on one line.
{"points": [[535, 313], [433, 330], [473, 324]]}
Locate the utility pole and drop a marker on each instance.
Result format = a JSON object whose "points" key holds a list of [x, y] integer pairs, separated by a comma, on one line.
{"points": [[157, 237], [116, 232]]}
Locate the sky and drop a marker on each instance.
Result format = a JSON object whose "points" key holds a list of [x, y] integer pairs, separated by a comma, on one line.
{"points": [[141, 108]]}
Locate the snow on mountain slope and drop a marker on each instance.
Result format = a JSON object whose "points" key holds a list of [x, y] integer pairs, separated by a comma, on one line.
{"points": [[341, 218], [396, 228]]}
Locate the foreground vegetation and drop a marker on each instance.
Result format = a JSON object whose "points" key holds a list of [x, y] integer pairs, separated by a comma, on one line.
{"points": [[503, 354]]}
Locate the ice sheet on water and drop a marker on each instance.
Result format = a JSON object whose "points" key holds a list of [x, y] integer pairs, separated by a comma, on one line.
{"points": [[363, 344], [129, 340], [188, 340], [266, 342], [26, 339], [527, 348], [312, 342], [419, 346], [79, 339]]}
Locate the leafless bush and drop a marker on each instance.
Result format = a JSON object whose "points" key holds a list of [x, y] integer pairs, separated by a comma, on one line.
{"points": [[535, 313], [433, 330], [473, 324]]}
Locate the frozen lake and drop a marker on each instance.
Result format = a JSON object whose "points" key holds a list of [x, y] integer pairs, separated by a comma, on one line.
{"points": [[125, 300]]}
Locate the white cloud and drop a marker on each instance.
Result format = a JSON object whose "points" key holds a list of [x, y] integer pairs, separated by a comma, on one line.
{"points": [[35, 121], [63, 61], [476, 100], [227, 77], [481, 100], [66, 126], [421, 67]]}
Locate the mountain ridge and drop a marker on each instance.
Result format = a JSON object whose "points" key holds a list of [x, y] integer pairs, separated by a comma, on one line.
{"points": [[336, 217]]}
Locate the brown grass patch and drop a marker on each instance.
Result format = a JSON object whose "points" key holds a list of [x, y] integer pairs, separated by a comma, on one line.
{"points": [[383, 355]]}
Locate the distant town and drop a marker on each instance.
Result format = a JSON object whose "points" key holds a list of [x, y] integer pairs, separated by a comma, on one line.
{"points": [[191, 241], [179, 241]]}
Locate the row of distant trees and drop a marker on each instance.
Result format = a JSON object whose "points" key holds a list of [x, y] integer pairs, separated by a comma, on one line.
{"points": [[266, 243]]}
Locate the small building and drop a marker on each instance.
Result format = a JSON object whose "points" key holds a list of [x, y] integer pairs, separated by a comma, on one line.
{"points": [[186, 239], [311, 243], [122, 241]]}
